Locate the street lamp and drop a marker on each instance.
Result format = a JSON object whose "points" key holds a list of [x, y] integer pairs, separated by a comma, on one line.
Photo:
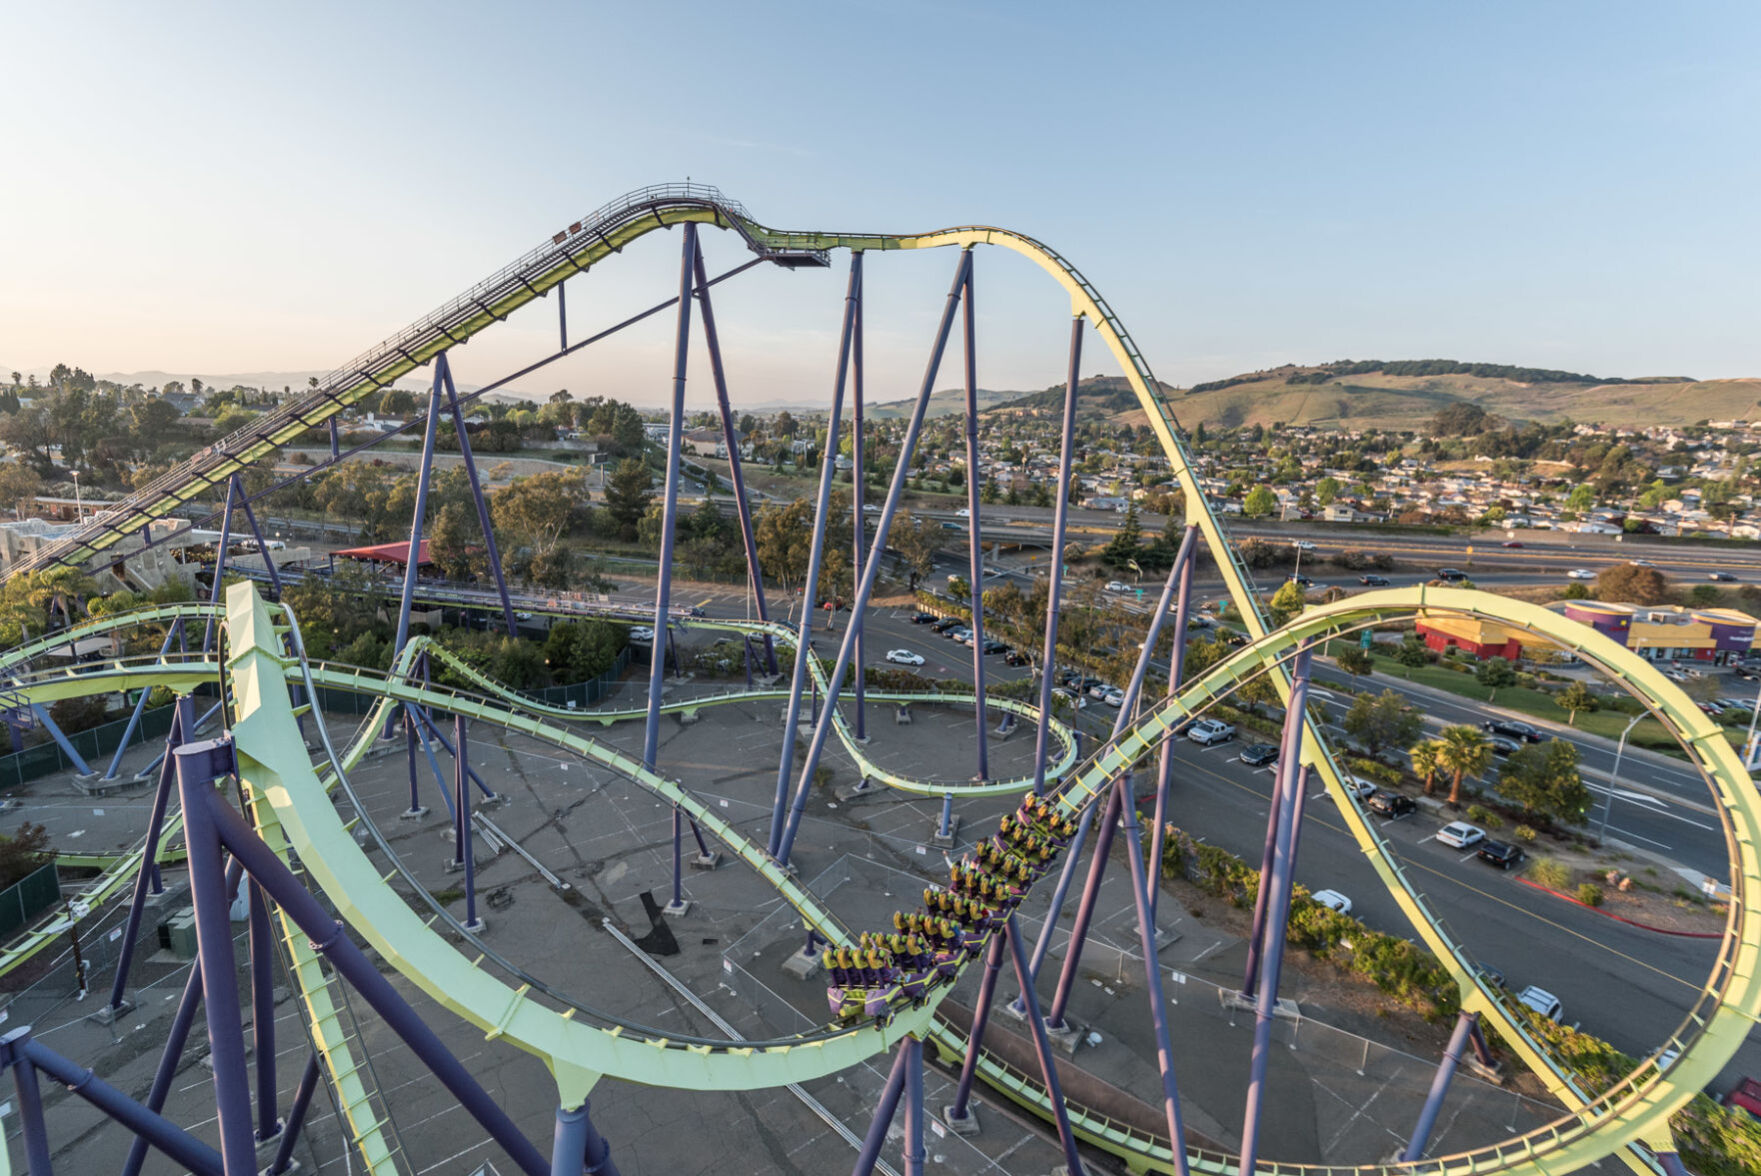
{"points": [[1614, 777], [79, 510], [1297, 547]]}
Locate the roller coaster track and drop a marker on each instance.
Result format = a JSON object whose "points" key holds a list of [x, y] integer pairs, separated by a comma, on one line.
{"points": [[1635, 1112], [290, 800]]}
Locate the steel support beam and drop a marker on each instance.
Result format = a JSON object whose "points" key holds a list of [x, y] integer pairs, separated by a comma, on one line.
{"points": [[1421, 1134], [1285, 780], [1085, 910], [884, 1110], [1176, 672], [181, 710], [296, 1116], [670, 502], [578, 1147], [859, 527], [974, 530], [865, 589], [1055, 573], [913, 1106], [413, 556], [262, 942], [443, 373], [981, 1015], [1042, 1046], [798, 677]]}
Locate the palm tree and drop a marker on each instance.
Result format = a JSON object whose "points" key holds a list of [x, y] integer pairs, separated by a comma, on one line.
{"points": [[1465, 750], [1427, 761]]}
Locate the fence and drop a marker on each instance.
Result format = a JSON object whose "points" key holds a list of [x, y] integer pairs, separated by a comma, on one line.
{"points": [[588, 693], [33, 763], [27, 898]]}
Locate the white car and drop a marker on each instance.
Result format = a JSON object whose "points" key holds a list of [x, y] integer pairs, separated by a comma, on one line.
{"points": [[1642, 563], [642, 633], [870, 508], [1461, 835], [904, 657], [1208, 731], [1541, 1001], [1580, 574], [1118, 586], [1358, 786], [1305, 545], [1114, 697], [963, 513], [1333, 901]]}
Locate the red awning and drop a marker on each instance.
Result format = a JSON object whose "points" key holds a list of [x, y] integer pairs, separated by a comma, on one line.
{"points": [[388, 553]]}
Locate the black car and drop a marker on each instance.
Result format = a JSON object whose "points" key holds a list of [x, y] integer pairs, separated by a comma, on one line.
{"points": [[1373, 581], [1503, 854], [1503, 746], [1721, 577], [1748, 673], [1258, 755], [1491, 975], [1234, 638], [1451, 575], [1510, 728], [943, 625], [1390, 804], [924, 619], [1303, 580], [1015, 658], [995, 646]]}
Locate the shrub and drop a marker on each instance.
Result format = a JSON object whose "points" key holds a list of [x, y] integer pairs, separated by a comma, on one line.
{"points": [[1550, 872], [1590, 894], [1479, 814], [1526, 833], [1374, 771]]}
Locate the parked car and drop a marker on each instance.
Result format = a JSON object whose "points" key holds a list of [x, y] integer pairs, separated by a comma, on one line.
{"points": [[1358, 786], [1451, 575], [1748, 673], [959, 633], [1580, 574], [1066, 692], [1258, 755], [943, 625], [1722, 578], [1494, 977], [1373, 581], [904, 657], [1118, 586], [1541, 1001], [641, 633], [1114, 697], [1098, 690], [1015, 657], [1390, 804], [1503, 854], [923, 619], [1333, 901], [1461, 835], [1745, 1096], [991, 646], [1512, 729], [1206, 732]]}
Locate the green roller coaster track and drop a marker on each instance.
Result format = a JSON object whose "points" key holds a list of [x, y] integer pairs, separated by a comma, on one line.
{"points": [[1635, 1112]]}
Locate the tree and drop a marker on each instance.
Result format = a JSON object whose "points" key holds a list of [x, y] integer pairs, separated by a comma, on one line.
{"points": [[1492, 673], [916, 540], [1286, 602], [541, 509], [1126, 542], [1260, 503], [577, 651], [1465, 752], [1543, 778], [455, 543], [1576, 697], [627, 495], [18, 484], [1632, 584], [1356, 660], [1427, 761], [25, 851], [1326, 490], [1382, 721]]}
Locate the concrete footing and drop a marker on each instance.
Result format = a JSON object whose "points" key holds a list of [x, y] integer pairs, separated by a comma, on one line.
{"points": [[706, 861], [802, 965], [415, 814], [109, 1015], [677, 909], [945, 841], [966, 1125]]}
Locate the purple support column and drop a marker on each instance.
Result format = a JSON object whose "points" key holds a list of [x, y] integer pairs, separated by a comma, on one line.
{"points": [[1421, 1134], [1272, 956], [974, 531], [440, 782], [1672, 1164], [913, 1106], [1284, 781], [945, 826], [134, 719], [67, 749], [466, 843], [865, 589], [1141, 886], [296, 1116], [562, 316], [1055, 582], [244, 500], [815, 555], [149, 853], [262, 940], [1176, 674], [578, 1146], [416, 809], [670, 503], [677, 905], [958, 1114], [219, 563], [1482, 1050], [351, 962], [860, 529], [1043, 1047], [1084, 911], [443, 372], [169, 1138], [440, 737], [736, 475], [30, 1103], [413, 556], [197, 766], [883, 1117]]}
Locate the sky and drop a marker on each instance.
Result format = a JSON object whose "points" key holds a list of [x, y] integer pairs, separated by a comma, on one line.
{"points": [[214, 188]]}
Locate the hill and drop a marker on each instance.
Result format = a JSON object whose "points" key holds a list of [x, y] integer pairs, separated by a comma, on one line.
{"points": [[1406, 394]]}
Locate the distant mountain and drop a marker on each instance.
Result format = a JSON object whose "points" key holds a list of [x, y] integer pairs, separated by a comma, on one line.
{"points": [[272, 381]]}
